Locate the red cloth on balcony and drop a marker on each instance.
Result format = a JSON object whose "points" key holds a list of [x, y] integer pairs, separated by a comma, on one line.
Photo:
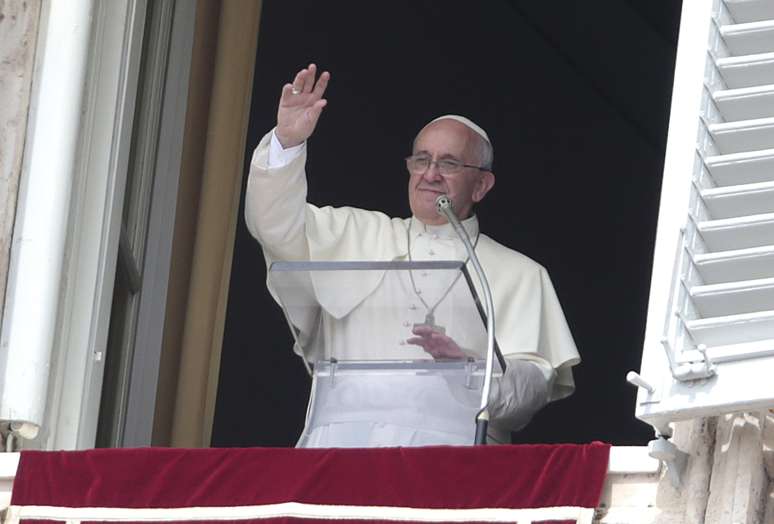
{"points": [[321, 480]]}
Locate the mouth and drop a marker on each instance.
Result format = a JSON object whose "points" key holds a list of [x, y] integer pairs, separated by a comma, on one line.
{"points": [[435, 191]]}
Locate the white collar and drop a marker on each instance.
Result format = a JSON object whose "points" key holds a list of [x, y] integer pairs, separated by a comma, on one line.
{"points": [[444, 231]]}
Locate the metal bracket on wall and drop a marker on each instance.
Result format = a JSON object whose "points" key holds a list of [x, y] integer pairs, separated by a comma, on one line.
{"points": [[661, 449]]}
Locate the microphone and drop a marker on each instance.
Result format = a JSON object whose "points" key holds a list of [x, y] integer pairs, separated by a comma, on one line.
{"points": [[444, 206]]}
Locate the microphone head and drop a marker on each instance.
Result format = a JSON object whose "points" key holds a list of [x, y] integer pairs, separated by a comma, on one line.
{"points": [[442, 203]]}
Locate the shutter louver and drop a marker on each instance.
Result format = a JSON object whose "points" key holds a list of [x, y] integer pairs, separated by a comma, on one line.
{"points": [[721, 302]]}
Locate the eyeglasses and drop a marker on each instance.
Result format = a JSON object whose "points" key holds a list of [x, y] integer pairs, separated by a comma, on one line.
{"points": [[418, 164]]}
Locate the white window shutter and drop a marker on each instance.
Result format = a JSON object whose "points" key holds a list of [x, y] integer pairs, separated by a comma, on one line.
{"points": [[709, 345]]}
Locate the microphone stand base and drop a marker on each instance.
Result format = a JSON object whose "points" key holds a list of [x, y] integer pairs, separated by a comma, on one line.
{"points": [[481, 427]]}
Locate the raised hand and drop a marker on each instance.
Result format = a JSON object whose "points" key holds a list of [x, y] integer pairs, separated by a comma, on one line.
{"points": [[300, 106], [437, 344]]}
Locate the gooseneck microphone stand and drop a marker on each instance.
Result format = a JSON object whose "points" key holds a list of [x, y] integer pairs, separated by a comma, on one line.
{"points": [[443, 205]]}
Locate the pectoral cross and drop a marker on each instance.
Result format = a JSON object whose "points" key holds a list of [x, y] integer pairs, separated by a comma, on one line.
{"points": [[430, 322]]}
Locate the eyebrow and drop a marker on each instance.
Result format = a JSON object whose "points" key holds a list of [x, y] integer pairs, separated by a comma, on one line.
{"points": [[449, 156], [445, 156]]}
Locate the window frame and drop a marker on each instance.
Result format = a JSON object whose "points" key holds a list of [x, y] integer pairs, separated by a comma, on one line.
{"points": [[93, 225], [96, 217]]}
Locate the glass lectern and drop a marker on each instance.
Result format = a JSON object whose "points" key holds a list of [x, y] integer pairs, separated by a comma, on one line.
{"points": [[367, 332]]}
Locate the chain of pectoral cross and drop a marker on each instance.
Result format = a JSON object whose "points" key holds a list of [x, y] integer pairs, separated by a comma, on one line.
{"points": [[430, 316]]}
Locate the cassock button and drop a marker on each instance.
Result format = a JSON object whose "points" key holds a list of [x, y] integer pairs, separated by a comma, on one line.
{"points": [[406, 323], [412, 307], [402, 342], [435, 237], [431, 253], [419, 291], [424, 273]]}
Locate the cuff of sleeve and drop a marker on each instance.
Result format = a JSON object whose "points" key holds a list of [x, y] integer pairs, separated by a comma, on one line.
{"points": [[520, 393], [279, 156], [549, 373]]}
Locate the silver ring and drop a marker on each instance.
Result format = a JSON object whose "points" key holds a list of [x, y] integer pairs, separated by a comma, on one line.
{"points": [[295, 91]]}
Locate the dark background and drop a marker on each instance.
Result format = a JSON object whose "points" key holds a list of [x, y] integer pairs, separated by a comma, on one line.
{"points": [[575, 95]]}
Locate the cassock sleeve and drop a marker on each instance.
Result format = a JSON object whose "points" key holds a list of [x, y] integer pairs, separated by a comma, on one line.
{"points": [[521, 392], [532, 333], [529, 321], [290, 229], [275, 203], [275, 213]]}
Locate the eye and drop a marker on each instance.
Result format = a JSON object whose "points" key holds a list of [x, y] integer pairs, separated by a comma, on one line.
{"points": [[448, 165], [419, 162]]}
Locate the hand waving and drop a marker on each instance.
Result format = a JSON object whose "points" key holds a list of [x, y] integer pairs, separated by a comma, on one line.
{"points": [[300, 106]]}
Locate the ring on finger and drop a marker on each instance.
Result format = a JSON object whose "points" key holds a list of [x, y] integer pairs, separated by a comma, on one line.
{"points": [[295, 90]]}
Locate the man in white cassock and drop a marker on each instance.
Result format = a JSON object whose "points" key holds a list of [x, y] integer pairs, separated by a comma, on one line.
{"points": [[452, 156]]}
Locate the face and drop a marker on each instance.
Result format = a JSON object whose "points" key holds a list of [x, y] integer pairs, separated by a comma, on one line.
{"points": [[447, 139]]}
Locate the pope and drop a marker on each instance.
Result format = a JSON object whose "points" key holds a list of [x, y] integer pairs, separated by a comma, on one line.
{"points": [[452, 156]]}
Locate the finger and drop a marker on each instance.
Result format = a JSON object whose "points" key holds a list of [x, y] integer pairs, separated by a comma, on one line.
{"points": [[424, 331], [298, 81], [321, 85], [417, 341], [313, 113], [287, 94], [311, 73]]}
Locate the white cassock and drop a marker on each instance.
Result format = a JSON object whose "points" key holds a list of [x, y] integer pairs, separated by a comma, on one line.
{"points": [[531, 330]]}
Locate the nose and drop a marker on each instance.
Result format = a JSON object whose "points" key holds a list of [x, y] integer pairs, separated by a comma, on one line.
{"points": [[433, 173]]}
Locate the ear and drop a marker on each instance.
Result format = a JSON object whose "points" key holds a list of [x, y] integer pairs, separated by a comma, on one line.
{"points": [[485, 182]]}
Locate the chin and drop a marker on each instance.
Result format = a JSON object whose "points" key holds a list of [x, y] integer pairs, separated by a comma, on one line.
{"points": [[423, 207]]}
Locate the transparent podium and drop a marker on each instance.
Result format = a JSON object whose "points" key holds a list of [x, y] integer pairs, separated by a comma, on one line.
{"points": [[396, 350]]}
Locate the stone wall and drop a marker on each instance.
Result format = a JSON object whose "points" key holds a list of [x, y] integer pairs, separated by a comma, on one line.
{"points": [[18, 36], [727, 479]]}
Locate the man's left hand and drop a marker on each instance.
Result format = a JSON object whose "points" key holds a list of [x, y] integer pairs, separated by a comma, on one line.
{"points": [[436, 343]]}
